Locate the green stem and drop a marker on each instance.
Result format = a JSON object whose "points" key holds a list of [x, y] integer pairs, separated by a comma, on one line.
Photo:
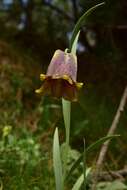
{"points": [[67, 115], [66, 105]]}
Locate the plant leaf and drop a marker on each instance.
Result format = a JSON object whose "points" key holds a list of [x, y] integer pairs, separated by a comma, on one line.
{"points": [[90, 148], [74, 45], [78, 183], [1, 185], [99, 142], [80, 22], [80, 180], [57, 162]]}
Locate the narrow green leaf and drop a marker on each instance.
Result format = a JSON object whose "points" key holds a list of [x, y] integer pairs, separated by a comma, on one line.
{"points": [[1, 185], [57, 162], [80, 180], [74, 45], [88, 171], [80, 22], [99, 142], [78, 183], [90, 148]]}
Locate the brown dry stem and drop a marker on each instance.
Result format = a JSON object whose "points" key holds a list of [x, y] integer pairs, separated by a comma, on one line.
{"points": [[111, 131]]}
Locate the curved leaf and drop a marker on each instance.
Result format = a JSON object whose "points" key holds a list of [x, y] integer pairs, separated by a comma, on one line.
{"points": [[88, 149], [80, 22]]}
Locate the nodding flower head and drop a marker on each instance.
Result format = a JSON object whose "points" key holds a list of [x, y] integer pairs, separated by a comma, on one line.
{"points": [[60, 79]]}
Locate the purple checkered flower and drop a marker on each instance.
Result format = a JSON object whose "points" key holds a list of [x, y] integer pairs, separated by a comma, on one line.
{"points": [[60, 79]]}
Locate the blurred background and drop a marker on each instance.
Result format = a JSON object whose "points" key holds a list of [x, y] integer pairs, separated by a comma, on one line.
{"points": [[30, 32]]}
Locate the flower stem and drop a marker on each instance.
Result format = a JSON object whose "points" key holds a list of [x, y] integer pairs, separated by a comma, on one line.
{"points": [[67, 115], [66, 105]]}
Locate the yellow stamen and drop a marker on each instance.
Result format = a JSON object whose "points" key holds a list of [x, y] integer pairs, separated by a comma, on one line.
{"points": [[65, 77], [42, 77], [38, 91], [79, 85]]}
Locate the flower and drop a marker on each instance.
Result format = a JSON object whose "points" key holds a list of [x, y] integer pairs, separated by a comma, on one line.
{"points": [[60, 79]]}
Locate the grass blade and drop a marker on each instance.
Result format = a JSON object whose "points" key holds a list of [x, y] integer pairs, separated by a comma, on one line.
{"points": [[57, 162]]}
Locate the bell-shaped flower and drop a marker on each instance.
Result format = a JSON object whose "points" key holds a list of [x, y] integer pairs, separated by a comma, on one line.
{"points": [[60, 79]]}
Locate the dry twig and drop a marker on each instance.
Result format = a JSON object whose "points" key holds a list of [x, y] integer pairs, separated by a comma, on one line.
{"points": [[111, 131], [112, 175]]}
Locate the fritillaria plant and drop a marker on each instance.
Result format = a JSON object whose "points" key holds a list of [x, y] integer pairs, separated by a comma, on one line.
{"points": [[60, 81]]}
